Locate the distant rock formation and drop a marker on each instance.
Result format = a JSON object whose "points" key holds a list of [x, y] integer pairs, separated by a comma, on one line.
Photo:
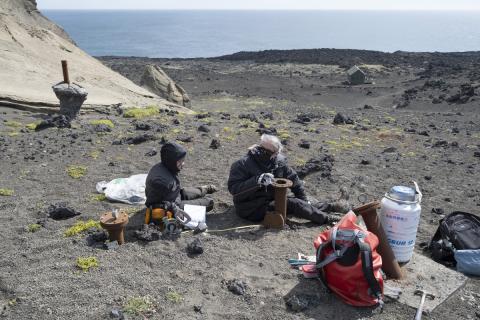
{"points": [[31, 50], [155, 80]]}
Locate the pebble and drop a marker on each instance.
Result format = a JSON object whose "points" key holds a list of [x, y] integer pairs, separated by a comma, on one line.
{"points": [[195, 247], [296, 303], [237, 287], [116, 314]]}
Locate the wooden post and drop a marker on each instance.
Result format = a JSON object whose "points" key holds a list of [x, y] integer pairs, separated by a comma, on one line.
{"points": [[66, 78]]}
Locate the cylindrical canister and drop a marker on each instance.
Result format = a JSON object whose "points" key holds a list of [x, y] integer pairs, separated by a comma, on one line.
{"points": [[400, 216]]}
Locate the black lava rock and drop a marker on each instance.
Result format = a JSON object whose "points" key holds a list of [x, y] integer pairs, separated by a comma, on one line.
{"points": [[135, 140], [59, 121], [248, 116], [96, 239], [142, 126], [151, 153], [476, 154], [61, 211], [215, 144], [304, 144], [185, 138], [365, 162], [267, 115], [203, 128], [100, 128], [390, 150], [237, 287], [438, 210], [342, 119], [319, 164], [440, 143], [303, 119], [195, 247]]}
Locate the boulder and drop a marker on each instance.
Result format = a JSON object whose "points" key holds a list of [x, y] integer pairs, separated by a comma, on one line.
{"points": [[155, 80]]}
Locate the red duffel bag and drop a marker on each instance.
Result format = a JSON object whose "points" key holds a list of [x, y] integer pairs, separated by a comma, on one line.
{"points": [[349, 264]]}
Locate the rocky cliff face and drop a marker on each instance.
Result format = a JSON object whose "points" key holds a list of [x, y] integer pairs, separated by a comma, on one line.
{"points": [[27, 11], [31, 50]]}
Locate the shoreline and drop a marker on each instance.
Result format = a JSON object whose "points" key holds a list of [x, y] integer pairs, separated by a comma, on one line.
{"points": [[324, 56]]}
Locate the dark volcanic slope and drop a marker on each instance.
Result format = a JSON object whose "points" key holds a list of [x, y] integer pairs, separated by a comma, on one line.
{"points": [[348, 57]]}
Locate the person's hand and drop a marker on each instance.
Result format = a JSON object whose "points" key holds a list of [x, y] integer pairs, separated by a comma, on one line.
{"points": [[266, 179]]}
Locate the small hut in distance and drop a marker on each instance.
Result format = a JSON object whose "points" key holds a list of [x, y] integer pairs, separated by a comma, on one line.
{"points": [[356, 76]]}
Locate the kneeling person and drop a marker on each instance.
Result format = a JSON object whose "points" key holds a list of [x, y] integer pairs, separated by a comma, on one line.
{"points": [[163, 188], [251, 179]]}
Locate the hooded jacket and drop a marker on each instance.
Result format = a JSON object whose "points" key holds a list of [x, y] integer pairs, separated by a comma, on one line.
{"points": [[249, 198], [162, 181]]}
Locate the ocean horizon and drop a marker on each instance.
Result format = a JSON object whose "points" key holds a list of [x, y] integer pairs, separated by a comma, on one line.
{"points": [[211, 33]]}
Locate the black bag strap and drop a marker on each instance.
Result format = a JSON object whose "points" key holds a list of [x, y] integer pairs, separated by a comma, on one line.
{"points": [[367, 266]]}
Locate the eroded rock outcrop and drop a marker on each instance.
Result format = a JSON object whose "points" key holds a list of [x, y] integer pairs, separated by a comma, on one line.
{"points": [[155, 80]]}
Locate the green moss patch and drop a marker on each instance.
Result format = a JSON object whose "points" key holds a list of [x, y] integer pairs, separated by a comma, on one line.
{"points": [[138, 113], [76, 172], [106, 122], [99, 197], [174, 297], [32, 126], [87, 263], [13, 124], [6, 192], [34, 227], [139, 305], [81, 226]]}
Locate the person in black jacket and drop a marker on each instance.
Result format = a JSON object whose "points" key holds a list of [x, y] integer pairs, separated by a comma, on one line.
{"points": [[251, 178], [163, 188]]}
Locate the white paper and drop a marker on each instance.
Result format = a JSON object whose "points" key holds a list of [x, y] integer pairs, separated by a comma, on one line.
{"points": [[197, 213]]}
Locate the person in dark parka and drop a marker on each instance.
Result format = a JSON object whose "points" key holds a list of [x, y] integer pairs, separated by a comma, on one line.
{"points": [[251, 178], [163, 186]]}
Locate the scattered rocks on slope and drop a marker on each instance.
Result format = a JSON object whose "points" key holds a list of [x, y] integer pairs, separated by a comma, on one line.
{"points": [[323, 164], [249, 116], [135, 140], [342, 119], [463, 95], [59, 121]]}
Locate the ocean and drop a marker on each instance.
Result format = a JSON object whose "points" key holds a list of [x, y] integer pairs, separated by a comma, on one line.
{"points": [[189, 34]]}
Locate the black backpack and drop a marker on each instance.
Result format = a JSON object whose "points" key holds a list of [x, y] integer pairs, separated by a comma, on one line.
{"points": [[457, 231]]}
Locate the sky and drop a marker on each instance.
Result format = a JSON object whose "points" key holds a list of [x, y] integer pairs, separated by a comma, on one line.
{"points": [[264, 4]]}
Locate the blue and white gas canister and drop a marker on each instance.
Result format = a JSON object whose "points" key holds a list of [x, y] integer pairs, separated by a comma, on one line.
{"points": [[400, 216]]}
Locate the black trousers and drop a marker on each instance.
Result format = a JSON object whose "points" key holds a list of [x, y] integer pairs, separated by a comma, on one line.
{"points": [[195, 196], [295, 207], [304, 210]]}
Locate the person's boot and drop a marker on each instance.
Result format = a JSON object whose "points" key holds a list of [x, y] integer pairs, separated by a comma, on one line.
{"points": [[334, 218], [209, 189]]}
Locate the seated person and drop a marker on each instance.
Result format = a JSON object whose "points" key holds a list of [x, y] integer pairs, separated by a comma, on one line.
{"points": [[163, 188], [251, 178]]}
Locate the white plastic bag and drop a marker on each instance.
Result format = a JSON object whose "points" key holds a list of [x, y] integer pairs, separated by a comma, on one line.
{"points": [[129, 190]]}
